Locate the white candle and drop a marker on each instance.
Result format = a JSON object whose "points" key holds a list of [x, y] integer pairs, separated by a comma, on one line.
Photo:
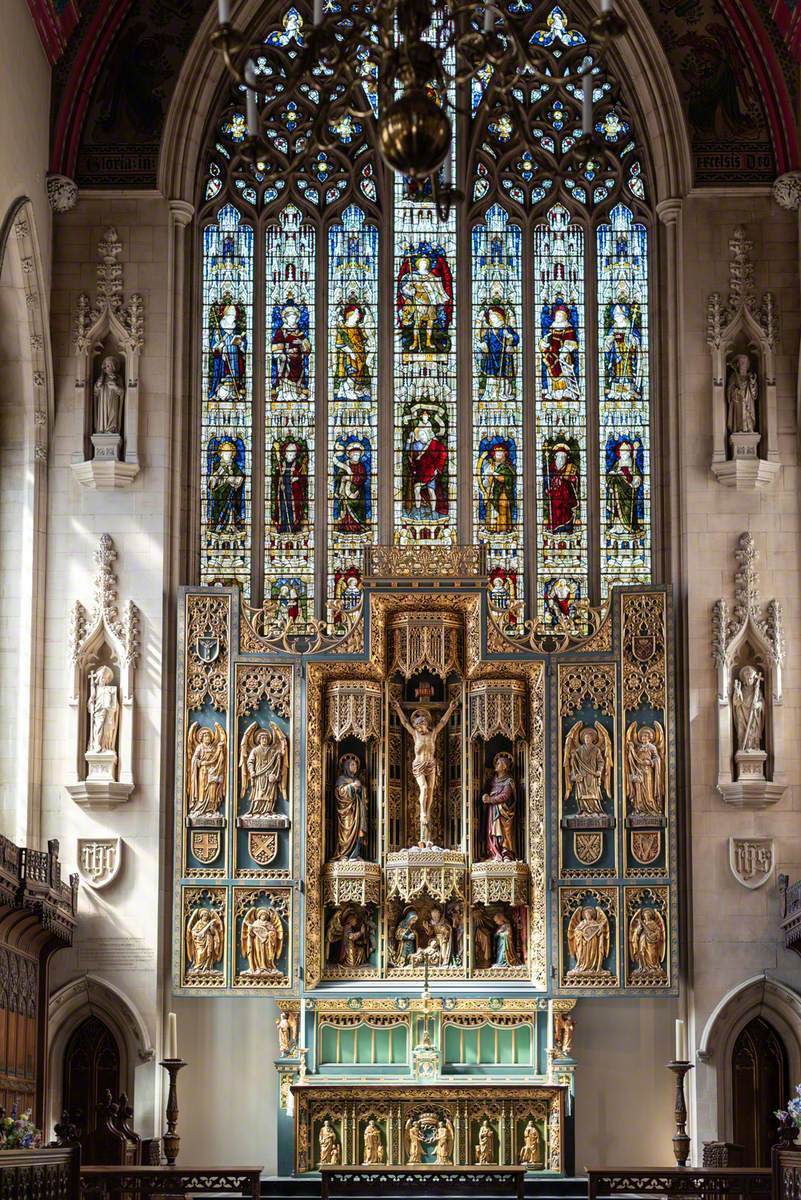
{"points": [[318, 12], [302, 1024], [489, 18], [447, 170], [681, 1045], [586, 102], [250, 99], [224, 12], [171, 1050]]}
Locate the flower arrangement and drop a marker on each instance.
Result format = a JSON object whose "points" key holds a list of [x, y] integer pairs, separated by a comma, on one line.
{"points": [[790, 1117], [18, 1133]]}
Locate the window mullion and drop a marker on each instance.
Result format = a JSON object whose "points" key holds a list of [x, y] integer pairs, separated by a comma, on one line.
{"points": [[593, 415], [258, 410]]}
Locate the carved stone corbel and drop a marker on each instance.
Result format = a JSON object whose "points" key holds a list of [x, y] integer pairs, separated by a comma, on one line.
{"points": [[742, 334], [748, 649], [108, 331], [103, 652]]}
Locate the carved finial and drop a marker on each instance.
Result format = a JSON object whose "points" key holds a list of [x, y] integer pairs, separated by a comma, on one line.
{"points": [[714, 319], [741, 269], [109, 299], [746, 581]]}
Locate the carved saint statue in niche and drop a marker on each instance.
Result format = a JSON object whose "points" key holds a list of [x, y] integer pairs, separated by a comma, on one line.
{"points": [[287, 1025], [329, 1146], [645, 769], [262, 940], [205, 938], [104, 711], [206, 769], [406, 938], [351, 809], [588, 940], [500, 807], [264, 767], [109, 394], [414, 1142], [748, 707], [349, 937], [485, 1148], [424, 763], [440, 931], [588, 767], [373, 1145], [742, 395], [506, 954], [531, 1150], [564, 1027], [647, 941], [443, 1143]]}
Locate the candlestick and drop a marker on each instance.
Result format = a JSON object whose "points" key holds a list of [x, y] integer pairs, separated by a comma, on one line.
{"points": [[171, 1045], [170, 1139], [681, 1140], [681, 1045], [224, 12], [586, 102], [447, 170]]}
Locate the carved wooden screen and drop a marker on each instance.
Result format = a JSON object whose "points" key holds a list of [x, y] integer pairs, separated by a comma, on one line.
{"points": [[371, 373]]}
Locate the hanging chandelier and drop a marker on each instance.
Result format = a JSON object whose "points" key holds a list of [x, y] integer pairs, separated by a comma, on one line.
{"points": [[405, 61]]}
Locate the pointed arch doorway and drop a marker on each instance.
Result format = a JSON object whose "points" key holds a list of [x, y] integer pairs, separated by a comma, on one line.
{"points": [[759, 1074]]}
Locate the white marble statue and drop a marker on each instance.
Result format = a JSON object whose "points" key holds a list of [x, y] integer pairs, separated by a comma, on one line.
{"points": [[748, 706], [742, 393], [109, 395], [104, 711]]}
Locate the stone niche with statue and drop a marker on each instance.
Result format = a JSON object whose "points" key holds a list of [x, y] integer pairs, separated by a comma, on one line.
{"points": [[426, 838]]}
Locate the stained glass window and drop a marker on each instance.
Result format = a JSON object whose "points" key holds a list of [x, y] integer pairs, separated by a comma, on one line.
{"points": [[624, 404], [498, 409], [227, 391], [352, 403], [561, 416], [536, 403]]}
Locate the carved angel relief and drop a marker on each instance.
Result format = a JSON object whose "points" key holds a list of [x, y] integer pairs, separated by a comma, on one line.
{"points": [[206, 774], [588, 940], [262, 941], [588, 768], [205, 941], [644, 771], [648, 944], [263, 770]]}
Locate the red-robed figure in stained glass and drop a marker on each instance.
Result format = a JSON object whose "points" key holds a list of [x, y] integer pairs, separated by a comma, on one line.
{"points": [[425, 469], [559, 350], [561, 491]]}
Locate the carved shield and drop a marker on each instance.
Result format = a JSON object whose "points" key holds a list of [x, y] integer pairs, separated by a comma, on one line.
{"points": [[207, 647], [263, 847], [645, 846], [99, 861], [588, 847], [206, 845], [643, 646], [751, 860]]}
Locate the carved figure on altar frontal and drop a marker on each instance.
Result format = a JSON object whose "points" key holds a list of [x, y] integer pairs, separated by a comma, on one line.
{"points": [[373, 1145], [329, 1146], [500, 804], [742, 395], [531, 1150], [748, 707], [287, 1026], [414, 1142], [504, 942], [109, 395], [441, 933], [588, 767], [485, 1148], [645, 769], [104, 711], [588, 940], [205, 938], [424, 763], [264, 767], [349, 938], [351, 809], [406, 938], [206, 769], [262, 940], [443, 1143], [563, 1031], [647, 941]]}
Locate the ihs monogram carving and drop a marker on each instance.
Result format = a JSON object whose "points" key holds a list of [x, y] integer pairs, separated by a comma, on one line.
{"points": [[751, 860], [99, 861]]}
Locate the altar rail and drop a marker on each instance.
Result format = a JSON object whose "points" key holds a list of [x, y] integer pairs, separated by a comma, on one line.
{"points": [[40, 1174], [140, 1183], [487, 1183], [707, 1183], [786, 1161]]}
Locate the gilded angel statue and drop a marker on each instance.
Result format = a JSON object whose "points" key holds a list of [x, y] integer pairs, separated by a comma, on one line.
{"points": [[263, 767], [588, 767], [262, 940], [588, 940], [443, 1142], [647, 941], [645, 769], [205, 936], [414, 1142], [205, 769]]}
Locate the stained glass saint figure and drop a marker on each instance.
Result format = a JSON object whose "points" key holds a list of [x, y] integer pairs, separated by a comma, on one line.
{"points": [[426, 463], [290, 352], [561, 489], [289, 600], [226, 486], [227, 345], [559, 599], [351, 371], [352, 502], [624, 486], [498, 481], [425, 300], [496, 347], [290, 485], [623, 348], [559, 347]]}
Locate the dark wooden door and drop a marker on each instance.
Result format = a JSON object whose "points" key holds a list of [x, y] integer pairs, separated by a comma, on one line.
{"points": [[92, 1066], [759, 1087]]}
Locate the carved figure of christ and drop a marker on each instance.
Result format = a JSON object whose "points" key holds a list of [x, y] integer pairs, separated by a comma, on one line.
{"points": [[424, 763]]}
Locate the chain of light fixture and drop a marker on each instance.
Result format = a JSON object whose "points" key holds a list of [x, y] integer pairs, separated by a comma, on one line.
{"points": [[413, 55]]}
